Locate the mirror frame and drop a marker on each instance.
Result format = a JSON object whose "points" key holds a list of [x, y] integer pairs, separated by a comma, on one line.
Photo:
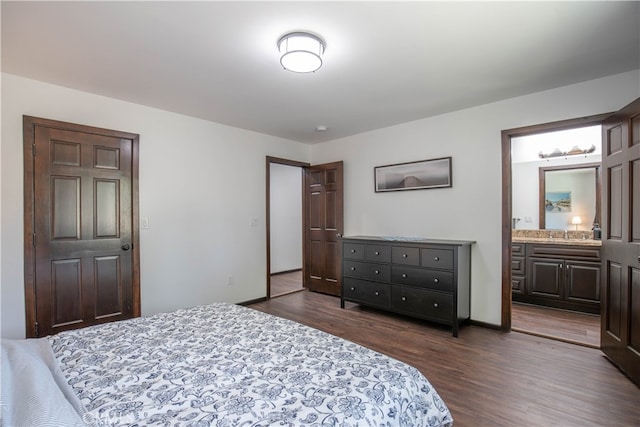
{"points": [[542, 189]]}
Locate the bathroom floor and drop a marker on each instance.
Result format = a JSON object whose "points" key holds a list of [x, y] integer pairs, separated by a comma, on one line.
{"points": [[568, 326]]}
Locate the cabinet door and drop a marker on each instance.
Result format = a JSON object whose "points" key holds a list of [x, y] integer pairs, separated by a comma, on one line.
{"points": [[545, 277], [583, 281]]}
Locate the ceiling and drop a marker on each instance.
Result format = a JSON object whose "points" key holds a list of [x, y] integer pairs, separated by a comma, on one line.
{"points": [[385, 63]]}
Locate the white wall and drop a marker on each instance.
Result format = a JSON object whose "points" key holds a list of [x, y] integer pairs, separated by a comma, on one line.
{"points": [[471, 209], [286, 217], [200, 183]]}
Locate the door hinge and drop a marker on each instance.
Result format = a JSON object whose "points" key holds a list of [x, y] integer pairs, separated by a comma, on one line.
{"points": [[33, 150], [36, 330], [34, 239]]}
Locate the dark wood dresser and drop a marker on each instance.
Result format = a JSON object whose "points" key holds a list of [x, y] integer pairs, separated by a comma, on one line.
{"points": [[428, 279]]}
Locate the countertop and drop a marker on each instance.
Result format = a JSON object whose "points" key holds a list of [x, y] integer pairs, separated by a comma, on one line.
{"points": [[398, 239], [558, 241]]}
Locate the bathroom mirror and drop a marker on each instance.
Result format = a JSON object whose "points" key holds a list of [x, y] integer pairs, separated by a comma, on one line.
{"points": [[567, 192]]}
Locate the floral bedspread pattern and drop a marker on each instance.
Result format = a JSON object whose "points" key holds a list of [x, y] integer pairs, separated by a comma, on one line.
{"points": [[226, 365]]}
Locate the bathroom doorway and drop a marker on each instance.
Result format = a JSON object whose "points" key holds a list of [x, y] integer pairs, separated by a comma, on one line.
{"points": [[554, 203]]}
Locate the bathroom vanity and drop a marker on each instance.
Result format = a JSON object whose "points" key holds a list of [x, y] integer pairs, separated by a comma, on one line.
{"points": [[557, 272]]}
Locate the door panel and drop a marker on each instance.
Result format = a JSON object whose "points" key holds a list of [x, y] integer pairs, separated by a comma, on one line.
{"points": [[79, 226], [324, 222], [620, 308]]}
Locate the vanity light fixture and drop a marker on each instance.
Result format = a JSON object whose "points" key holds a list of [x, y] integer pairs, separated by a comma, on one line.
{"points": [[301, 52], [576, 220], [574, 151]]}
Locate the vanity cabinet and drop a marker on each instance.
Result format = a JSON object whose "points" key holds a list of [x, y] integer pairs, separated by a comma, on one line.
{"points": [[428, 279], [518, 268], [559, 275]]}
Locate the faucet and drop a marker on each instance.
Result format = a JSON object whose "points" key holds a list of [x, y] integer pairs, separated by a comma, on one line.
{"points": [[566, 234]]}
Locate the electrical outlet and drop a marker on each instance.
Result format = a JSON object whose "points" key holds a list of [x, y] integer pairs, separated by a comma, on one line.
{"points": [[145, 223], [229, 280]]}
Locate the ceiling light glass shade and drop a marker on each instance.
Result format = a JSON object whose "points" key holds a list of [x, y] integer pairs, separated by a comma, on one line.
{"points": [[301, 52]]}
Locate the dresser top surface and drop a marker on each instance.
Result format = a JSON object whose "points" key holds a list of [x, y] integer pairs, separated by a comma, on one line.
{"points": [[400, 239]]}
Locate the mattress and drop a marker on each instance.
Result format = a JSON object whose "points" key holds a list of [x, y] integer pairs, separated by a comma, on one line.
{"points": [[227, 365]]}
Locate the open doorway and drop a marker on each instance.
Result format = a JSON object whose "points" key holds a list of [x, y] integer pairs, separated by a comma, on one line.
{"points": [[322, 204], [551, 174], [285, 226]]}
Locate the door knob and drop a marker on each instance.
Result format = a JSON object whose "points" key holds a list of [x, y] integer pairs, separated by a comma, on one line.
{"points": [[126, 247]]}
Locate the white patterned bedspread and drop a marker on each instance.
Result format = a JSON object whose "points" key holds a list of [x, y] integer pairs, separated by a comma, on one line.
{"points": [[226, 365]]}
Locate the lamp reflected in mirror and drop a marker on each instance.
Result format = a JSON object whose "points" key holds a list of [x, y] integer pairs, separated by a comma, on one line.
{"points": [[576, 220]]}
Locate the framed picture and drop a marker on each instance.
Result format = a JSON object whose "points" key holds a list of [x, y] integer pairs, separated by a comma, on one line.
{"points": [[557, 201], [423, 174]]}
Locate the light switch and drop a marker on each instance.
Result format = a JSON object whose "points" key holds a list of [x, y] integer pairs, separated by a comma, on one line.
{"points": [[145, 223], [253, 221]]}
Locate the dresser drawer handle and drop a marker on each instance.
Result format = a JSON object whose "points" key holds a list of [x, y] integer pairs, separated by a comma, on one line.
{"points": [[377, 253], [353, 289], [404, 275], [377, 293], [353, 251], [436, 258], [404, 298], [404, 255], [353, 269], [377, 272], [435, 304], [436, 280]]}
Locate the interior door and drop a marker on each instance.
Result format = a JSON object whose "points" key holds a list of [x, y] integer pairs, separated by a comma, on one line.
{"points": [[81, 238], [620, 293], [324, 224]]}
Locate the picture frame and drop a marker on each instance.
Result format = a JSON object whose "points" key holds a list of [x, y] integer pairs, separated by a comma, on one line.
{"points": [[557, 201], [418, 175]]}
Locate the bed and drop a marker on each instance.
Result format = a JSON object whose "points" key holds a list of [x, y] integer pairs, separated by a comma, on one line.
{"points": [[215, 365]]}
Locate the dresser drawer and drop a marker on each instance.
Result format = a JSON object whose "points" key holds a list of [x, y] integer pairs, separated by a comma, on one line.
{"points": [[518, 265], [518, 248], [423, 303], [431, 279], [367, 270], [437, 258], [353, 251], [405, 255], [374, 294], [379, 253]]}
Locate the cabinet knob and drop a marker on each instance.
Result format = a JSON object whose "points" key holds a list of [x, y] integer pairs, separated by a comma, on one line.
{"points": [[377, 253], [377, 271], [377, 293], [435, 304], [404, 275], [353, 251], [353, 269], [436, 258], [353, 289], [404, 255], [404, 298], [436, 280]]}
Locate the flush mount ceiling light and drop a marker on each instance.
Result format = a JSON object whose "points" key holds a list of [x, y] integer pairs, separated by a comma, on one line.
{"points": [[301, 52]]}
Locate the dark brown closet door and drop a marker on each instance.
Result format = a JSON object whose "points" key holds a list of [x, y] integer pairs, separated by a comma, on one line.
{"points": [[83, 266], [620, 293], [324, 225]]}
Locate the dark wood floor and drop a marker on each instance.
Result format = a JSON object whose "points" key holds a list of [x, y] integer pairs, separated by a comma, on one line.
{"points": [[486, 377], [285, 283], [569, 326]]}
